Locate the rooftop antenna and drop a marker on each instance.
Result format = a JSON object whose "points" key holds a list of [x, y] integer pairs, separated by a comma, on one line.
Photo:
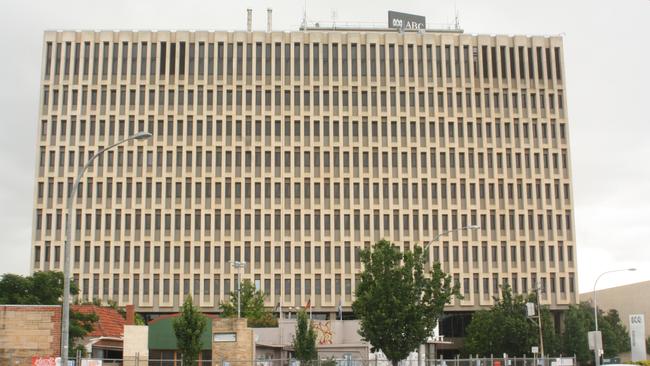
{"points": [[456, 18], [304, 16], [334, 15]]}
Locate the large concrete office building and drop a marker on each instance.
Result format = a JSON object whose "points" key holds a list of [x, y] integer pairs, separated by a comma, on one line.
{"points": [[293, 151]]}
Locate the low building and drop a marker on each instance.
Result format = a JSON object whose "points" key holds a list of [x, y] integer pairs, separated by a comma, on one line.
{"points": [[627, 300], [335, 338], [106, 339], [338, 339], [162, 341]]}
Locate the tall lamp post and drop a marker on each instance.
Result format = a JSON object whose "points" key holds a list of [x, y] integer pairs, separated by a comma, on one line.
{"points": [[239, 265], [421, 351], [65, 318], [596, 345], [435, 239]]}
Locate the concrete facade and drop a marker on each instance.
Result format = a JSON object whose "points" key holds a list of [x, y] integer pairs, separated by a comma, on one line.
{"points": [[628, 299], [293, 151], [335, 338], [136, 343], [27, 331]]}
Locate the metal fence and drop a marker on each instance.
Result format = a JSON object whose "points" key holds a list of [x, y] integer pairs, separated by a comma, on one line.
{"points": [[349, 361]]}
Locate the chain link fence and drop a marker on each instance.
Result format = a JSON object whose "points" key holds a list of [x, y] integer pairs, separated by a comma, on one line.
{"points": [[348, 361]]}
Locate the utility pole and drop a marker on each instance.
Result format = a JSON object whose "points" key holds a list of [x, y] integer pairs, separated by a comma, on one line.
{"points": [[539, 322], [530, 313]]}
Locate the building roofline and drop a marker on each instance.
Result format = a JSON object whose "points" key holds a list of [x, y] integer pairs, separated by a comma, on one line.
{"points": [[620, 287], [378, 29], [30, 306], [314, 29]]}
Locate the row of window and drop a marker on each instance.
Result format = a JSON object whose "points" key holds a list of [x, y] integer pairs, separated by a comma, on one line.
{"points": [[220, 288], [430, 100], [151, 59], [337, 161], [416, 192], [403, 132], [140, 256], [294, 222]]}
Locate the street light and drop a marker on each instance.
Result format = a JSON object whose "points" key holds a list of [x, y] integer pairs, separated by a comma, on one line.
{"points": [[421, 350], [65, 319], [596, 345], [468, 227], [239, 265]]}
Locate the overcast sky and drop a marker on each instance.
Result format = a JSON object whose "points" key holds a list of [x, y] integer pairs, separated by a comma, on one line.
{"points": [[607, 60]]}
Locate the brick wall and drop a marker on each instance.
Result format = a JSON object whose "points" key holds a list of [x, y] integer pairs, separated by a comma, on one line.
{"points": [[239, 352], [29, 330]]}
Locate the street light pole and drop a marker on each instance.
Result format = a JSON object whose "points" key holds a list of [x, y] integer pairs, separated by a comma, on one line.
{"points": [[596, 345], [65, 317], [435, 239], [421, 349], [239, 266]]}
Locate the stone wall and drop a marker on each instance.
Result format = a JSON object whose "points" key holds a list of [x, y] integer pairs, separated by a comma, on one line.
{"points": [[27, 331]]}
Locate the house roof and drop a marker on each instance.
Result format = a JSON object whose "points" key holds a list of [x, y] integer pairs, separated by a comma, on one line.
{"points": [[109, 324]]}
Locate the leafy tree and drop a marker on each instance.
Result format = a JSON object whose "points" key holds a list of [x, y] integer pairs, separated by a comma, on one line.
{"points": [[15, 289], [252, 307], [505, 328], [188, 328], [331, 361], [80, 325], [139, 319], [615, 336], [304, 341], [552, 338], [579, 320], [397, 304], [41, 288]]}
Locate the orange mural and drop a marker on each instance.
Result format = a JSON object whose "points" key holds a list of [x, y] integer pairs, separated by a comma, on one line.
{"points": [[323, 332]]}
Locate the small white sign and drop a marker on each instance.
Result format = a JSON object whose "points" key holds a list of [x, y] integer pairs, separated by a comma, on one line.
{"points": [[530, 309], [595, 340], [535, 349], [225, 337], [637, 337]]}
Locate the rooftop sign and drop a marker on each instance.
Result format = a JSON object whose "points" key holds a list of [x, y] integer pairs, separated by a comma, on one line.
{"points": [[405, 21]]}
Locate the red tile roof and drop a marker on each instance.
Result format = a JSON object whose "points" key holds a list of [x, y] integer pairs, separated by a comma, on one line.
{"points": [[109, 324]]}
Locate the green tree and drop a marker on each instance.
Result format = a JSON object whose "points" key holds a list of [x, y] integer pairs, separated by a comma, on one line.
{"points": [[188, 327], [505, 328], [252, 307], [616, 339], [80, 325], [397, 302], [41, 288], [304, 341], [15, 289], [579, 320]]}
